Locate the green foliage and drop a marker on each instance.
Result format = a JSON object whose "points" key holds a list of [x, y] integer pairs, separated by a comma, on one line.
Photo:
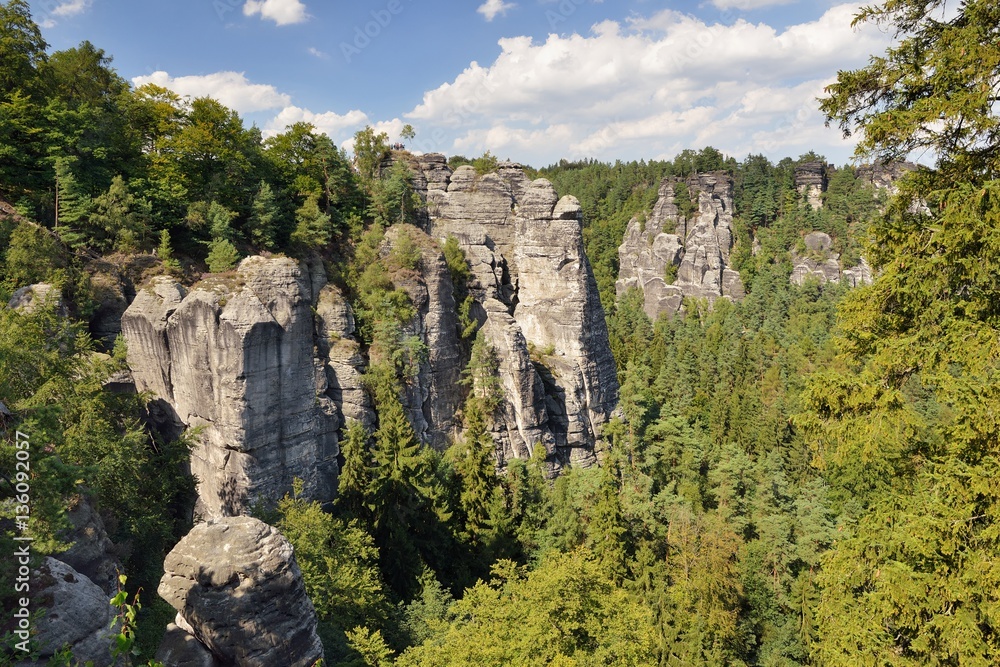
{"points": [[370, 150], [264, 213], [565, 612], [165, 252], [935, 89], [485, 164], [32, 256], [222, 256], [339, 563], [313, 228], [119, 219]]}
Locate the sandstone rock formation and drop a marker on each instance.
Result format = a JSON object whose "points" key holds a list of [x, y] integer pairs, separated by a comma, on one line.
{"points": [[434, 397], [533, 289], [236, 585], [32, 297], [180, 648], [811, 181], [91, 552], [669, 256], [235, 357], [77, 614], [820, 262]]}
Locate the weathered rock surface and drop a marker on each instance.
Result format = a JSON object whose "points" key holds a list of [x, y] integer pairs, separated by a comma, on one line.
{"points": [[77, 614], [344, 364], [32, 297], [235, 582], [821, 263], [669, 256], [884, 176], [91, 551], [532, 284], [434, 397], [180, 648], [235, 357], [558, 308], [811, 180]]}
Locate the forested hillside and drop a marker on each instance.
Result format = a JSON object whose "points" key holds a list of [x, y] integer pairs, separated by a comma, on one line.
{"points": [[808, 475]]}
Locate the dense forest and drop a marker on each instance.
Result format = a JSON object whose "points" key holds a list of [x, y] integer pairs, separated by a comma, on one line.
{"points": [[807, 476]]}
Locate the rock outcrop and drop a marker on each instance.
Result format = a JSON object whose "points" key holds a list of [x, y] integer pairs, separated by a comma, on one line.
{"points": [[32, 297], [234, 357], [820, 262], [534, 289], [77, 614], [811, 181], [238, 589], [91, 552], [670, 256]]}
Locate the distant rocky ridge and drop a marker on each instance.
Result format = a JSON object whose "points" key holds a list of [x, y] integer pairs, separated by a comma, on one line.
{"points": [[820, 262], [669, 256]]}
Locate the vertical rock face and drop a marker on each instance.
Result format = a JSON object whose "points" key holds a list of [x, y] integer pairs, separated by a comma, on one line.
{"points": [[811, 181], [235, 357], [434, 396], [534, 289], [236, 585], [669, 256]]}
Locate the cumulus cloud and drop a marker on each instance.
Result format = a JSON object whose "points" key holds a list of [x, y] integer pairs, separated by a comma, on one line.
{"points": [[231, 88], [648, 87], [64, 9], [493, 8], [330, 123], [282, 12]]}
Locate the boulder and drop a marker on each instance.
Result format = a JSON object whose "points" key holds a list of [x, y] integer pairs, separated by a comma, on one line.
{"points": [[235, 583], [31, 298], [77, 614]]}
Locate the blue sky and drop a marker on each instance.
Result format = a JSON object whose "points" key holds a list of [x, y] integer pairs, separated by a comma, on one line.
{"points": [[529, 80]]}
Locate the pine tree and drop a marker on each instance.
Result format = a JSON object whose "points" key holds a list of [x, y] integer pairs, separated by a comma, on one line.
{"points": [[72, 205], [314, 228], [263, 217]]}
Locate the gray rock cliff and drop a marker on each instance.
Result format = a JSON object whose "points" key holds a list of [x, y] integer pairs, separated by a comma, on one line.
{"points": [[811, 181], [534, 289], [820, 262], [234, 356]]}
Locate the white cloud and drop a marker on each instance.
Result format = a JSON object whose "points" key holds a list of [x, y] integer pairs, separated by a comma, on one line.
{"points": [[322, 55], [493, 8], [749, 4], [231, 88], [649, 86], [64, 9], [330, 123], [282, 12]]}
